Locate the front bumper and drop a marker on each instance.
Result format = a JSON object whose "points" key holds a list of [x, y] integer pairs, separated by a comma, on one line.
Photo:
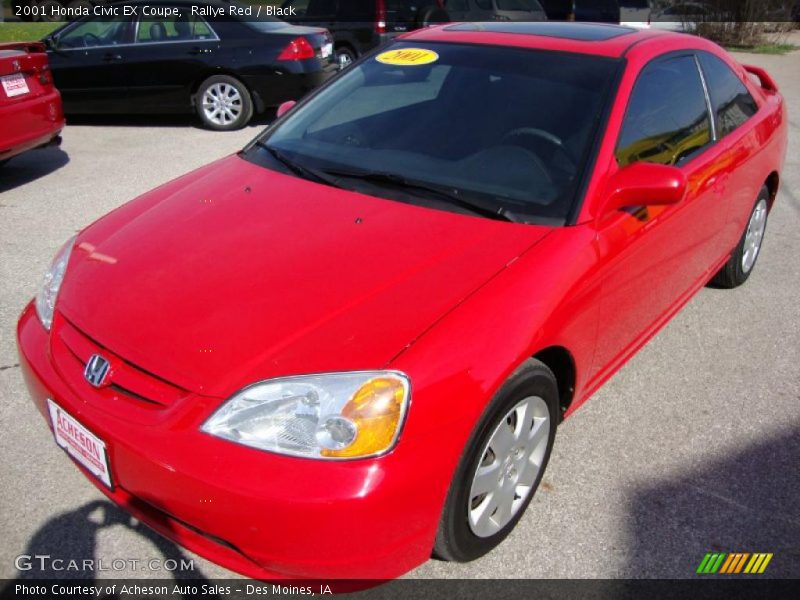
{"points": [[263, 515]]}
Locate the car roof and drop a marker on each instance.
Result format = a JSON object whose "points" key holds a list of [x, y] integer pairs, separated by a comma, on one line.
{"points": [[587, 38]]}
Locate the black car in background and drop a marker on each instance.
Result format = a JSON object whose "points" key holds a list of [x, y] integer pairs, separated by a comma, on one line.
{"points": [[600, 11], [225, 69], [361, 25], [495, 10]]}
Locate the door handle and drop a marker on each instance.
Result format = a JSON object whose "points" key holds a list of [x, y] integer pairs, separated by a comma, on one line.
{"points": [[112, 57]]}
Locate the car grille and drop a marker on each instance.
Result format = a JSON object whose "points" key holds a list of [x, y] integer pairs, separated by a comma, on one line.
{"points": [[71, 349]]}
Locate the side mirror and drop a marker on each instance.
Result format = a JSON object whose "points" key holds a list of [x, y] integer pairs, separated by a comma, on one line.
{"points": [[283, 108], [644, 184], [51, 42]]}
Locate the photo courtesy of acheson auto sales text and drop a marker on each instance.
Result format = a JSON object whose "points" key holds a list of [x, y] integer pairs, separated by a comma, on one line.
{"points": [[315, 298]]}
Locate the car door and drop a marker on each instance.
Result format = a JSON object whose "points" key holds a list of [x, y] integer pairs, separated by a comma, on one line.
{"points": [[85, 61], [169, 55], [655, 257]]}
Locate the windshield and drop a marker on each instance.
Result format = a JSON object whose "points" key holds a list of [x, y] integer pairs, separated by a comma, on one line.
{"points": [[510, 129]]}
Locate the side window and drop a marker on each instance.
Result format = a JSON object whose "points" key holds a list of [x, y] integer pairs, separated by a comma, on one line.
{"points": [[667, 118], [98, 32], [201, 30], [174, 29], [731, 101]]}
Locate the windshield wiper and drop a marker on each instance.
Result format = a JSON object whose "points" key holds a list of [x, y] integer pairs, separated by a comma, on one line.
{"points": [[449, 195], [296, 168]]}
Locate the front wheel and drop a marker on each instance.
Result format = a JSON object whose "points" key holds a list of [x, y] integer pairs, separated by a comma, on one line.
{"points": [[743, 259], [223, 103], [502, 465]]}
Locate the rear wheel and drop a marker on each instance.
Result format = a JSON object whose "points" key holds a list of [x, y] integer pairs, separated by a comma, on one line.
{"points": [[345, 55], [502, 466], [743, 260], [223, 103]]}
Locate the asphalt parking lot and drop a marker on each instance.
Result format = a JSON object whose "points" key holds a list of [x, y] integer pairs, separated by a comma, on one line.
{"points": [[693, 447]]}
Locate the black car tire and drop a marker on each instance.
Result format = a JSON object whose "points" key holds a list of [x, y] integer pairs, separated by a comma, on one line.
{"points": [[245, 103], [3, 162], [346, 53], [733, 274], [431, 15], [455, 538]]}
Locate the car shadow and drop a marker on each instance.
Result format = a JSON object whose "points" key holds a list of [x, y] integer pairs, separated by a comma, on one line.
{"points": [[30, 166], [72, 536], [745, 502], [181, 120]]}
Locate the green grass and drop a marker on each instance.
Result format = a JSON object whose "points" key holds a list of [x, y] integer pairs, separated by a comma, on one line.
{"points": [[765, 48], [25, 32]]}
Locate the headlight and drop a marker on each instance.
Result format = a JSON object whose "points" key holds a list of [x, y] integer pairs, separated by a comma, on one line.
{"points": [[328, 416], [46, 298]]}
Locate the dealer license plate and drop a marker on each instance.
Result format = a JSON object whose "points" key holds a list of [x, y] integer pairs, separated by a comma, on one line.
{"points": [[80, 443], [327, 50], [15, 85]]}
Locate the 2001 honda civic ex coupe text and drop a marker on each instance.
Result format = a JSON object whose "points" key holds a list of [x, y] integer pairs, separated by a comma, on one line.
{"points": [[348, 346]]}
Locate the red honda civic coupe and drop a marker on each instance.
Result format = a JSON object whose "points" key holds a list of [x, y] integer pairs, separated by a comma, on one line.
{"points": [[347, 347], [30, 106]]}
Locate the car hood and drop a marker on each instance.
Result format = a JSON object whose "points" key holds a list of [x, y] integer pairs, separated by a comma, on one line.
{"points": [[235, 273]]}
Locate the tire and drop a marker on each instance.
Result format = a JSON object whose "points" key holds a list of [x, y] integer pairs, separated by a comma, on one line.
{"points": [[4, 162], [432, 15], [346, 55], [470, 526], [233, 115], [743, 259]]}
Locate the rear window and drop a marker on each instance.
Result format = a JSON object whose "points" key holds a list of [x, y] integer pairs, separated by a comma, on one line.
{"points": [[512, 127], [732, 103]]}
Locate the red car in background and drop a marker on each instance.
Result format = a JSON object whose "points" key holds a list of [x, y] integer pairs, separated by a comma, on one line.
{"points": [[349, 345], [30, 105]]}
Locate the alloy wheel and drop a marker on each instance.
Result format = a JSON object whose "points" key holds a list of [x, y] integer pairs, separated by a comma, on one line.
{"points": [[222, 103], [509, 466], [754, 235]]}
